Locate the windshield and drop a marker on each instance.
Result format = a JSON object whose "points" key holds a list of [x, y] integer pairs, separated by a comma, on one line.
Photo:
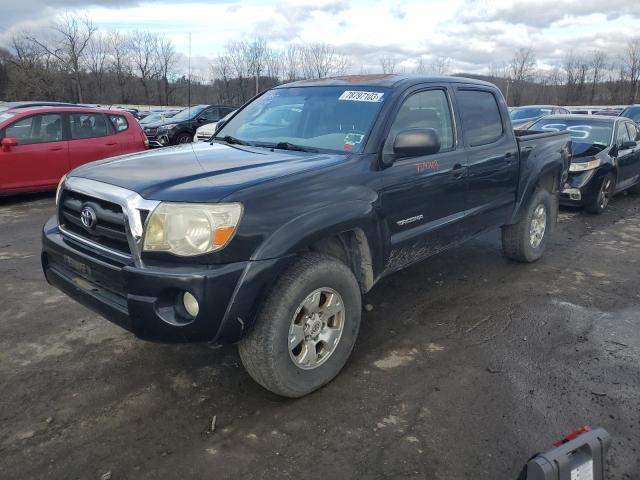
{"points": [[582, 130], [336, 118], [528, 112], [187, 113]]}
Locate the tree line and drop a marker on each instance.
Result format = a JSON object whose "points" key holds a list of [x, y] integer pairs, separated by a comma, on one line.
{"points": [[75, 61]]}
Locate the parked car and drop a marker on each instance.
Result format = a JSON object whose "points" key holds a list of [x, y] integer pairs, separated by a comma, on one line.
{"points": [[182, 126], [632, 112], [205, 132], [40, 144], [522, 117], [606, 157], [270, 234]]}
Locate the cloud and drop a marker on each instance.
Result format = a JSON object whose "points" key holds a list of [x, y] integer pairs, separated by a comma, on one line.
{"points": [[544, 13]]}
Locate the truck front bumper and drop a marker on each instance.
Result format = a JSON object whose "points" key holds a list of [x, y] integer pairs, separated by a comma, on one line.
{"points": [[148, 301]]}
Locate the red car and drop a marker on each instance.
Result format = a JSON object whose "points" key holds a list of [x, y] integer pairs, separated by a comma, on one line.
{"points": [[39, 144]]}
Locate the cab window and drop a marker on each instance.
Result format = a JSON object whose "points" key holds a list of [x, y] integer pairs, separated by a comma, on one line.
{"points": [[36, 129], [480, 116], [88, 125], [426, 109]]}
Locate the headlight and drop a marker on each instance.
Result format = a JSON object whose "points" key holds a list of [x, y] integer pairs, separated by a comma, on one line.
{"points": [[584, 166], [167, 127], [188, 229], [59, 189]]}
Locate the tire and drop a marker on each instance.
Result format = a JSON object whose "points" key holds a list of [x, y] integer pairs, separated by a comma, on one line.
{"points": [[526, 240], [265, 352], [605, 192], [183, 138]]}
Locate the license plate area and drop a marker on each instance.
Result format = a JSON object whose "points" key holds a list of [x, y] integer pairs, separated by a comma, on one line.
{"points": [[77, 266]]}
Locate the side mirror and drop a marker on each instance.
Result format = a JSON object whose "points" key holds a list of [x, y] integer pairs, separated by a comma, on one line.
{"points": [[201, 120], [8, 142], [416, 142], [628, 144]]}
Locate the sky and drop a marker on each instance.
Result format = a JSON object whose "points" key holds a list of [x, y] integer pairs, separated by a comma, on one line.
{"points": [[475, 34]]}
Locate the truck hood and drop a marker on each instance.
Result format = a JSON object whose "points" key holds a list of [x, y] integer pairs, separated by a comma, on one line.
{"points": [[200, 172]]}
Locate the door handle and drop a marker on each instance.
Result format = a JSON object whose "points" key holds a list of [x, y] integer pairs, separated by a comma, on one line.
{"points": [[458, 171], [110, 144], [55, 149]]}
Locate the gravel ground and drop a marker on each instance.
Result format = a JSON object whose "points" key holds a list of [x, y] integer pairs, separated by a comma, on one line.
{"points": [[466, 365]]}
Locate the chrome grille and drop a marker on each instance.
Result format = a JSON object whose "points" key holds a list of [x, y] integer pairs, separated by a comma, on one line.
{"points": [[110, 224]]}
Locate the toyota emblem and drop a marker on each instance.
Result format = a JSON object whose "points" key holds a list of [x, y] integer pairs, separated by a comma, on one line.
{"points": [[88, 217]]}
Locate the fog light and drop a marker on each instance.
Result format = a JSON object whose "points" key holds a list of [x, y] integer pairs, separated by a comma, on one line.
{"points": [[190, 304], [573, 193]]}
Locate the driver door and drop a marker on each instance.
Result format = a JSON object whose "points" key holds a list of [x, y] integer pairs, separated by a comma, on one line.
{"points": [[41, 156], [626, 158], [423, 197]]}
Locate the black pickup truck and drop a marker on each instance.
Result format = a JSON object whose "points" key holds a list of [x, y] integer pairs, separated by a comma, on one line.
{"points": [[306, 197]]}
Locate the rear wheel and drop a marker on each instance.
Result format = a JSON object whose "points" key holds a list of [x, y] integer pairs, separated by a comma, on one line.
{"points": [[600, 203], [526, 240], [306, 328]]}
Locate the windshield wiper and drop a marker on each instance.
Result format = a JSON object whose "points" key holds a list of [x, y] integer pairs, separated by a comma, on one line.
{"points": [[291, 146], [232, 140]]}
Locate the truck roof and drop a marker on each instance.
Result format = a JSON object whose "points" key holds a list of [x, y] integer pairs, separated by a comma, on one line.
{"points": [[383, 80]]}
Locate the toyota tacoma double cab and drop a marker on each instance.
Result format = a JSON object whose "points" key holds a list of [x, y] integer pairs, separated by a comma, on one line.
{"points": [[270, 234]]}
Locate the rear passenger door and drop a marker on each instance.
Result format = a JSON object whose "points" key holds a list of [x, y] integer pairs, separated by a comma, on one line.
{"points": [[121, 133], [492, 157], [90, 138], [423, 197]]}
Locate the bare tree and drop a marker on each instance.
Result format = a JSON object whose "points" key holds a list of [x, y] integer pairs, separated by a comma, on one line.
{"points": [[521, 68], [388, 63], [632, 64], [72, 34], [143, 49], [120, 61], [598, 64], [321, 60], [421, 66], [440, 65], [96, 61], [292, 59], [166, 59]]}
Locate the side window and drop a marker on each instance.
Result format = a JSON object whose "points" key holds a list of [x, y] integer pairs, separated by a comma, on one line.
{"points": [[480, 117], [87, 125], [119, 123], [634, 114], [427, 109], [210, 115], [622, 135], [633, 131], [36, 129]]}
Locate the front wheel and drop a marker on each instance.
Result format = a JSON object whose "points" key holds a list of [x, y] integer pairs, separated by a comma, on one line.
{"points": [[600, 203], [183, 138], [526, 240], [306, 328]]}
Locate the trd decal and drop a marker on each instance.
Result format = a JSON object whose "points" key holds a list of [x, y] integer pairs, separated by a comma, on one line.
{"points": [[406, 221], [424, 166]]}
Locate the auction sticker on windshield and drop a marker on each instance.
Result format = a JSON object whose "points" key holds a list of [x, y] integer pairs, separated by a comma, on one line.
{"points": [[360, 96]]}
